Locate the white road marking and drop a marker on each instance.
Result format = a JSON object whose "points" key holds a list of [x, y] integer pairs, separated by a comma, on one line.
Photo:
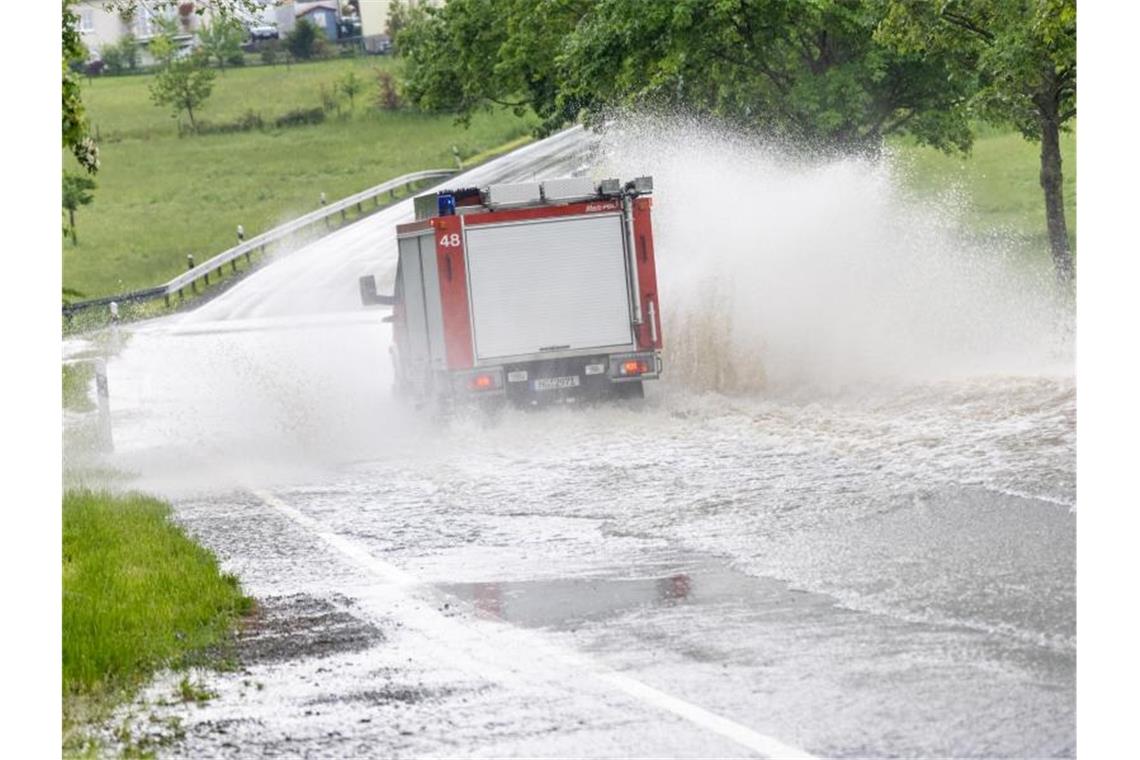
{"points": [[766, 746]]}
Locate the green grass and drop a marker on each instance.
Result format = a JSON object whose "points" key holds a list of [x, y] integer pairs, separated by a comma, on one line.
{"points": [[161, 197], [1000, 182], [138, 595]]}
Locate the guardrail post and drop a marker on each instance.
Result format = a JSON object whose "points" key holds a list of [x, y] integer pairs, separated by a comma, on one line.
{"points": [[206, 277], [103, 395], [166, 298], [233, 265]]}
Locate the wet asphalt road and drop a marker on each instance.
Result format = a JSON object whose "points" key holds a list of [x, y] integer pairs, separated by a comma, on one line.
{"points": [[881, 571]]}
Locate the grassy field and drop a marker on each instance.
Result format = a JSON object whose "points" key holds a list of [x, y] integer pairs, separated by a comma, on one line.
{"points": [[138, 595], [161, 196], [1000, 180]]}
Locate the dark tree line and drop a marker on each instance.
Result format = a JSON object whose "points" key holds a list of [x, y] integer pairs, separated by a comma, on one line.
{"points": [[836, 75]]}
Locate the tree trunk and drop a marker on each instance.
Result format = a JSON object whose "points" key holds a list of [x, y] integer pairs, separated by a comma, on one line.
{"points": [[190, 111], [71, 224], [1051, 183]]}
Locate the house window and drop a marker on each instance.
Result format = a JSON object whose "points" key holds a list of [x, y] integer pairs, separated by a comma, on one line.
{"points": [[86, 20]]}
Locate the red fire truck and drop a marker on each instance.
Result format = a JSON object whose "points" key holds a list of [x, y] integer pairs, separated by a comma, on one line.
{"points": [[532, 292]]}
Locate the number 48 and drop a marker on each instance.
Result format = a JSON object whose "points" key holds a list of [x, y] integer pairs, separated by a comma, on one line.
{"points": [[450, 241]]}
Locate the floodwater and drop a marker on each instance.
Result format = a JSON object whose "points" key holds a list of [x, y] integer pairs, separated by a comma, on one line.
{"points": [[843, 523]]}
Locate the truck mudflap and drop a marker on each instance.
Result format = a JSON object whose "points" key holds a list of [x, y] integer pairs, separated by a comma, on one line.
{"points": [[580, 378]]}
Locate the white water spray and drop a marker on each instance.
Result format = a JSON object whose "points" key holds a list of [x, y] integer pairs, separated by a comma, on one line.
{"points": [[778, 273]]}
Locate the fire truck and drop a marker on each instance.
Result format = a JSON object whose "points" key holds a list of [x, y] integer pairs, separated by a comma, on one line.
{"points": [[530, 292]]}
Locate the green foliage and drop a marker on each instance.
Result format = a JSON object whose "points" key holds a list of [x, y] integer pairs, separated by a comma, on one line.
{"points": [[400, 14], [76, 192], [76, 131], [121, 56], [351, 85], [809, 71], [162, 48], [221, 41], [472, 55], [330, 99], [300, 117], [270, 53], [1023, 53], [183, 85], [306, 41], [138, 594]]}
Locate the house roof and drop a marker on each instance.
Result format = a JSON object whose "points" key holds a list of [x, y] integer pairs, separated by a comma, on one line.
{"points": [[304, 8]]}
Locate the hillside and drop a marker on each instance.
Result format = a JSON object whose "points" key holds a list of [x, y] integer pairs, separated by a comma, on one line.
{"points": [[161, 196]]}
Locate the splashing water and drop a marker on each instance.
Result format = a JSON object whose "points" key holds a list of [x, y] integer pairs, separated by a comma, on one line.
{"points": [[790, 273]]}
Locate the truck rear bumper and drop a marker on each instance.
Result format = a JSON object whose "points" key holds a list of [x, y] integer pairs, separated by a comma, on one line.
{"points": [[557, 380]]}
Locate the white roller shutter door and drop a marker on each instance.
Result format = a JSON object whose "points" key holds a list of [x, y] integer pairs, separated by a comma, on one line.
{"points": [[542, 287]]}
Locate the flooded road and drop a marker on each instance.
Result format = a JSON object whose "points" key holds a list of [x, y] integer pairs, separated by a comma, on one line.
{"points": [[877, 566]]}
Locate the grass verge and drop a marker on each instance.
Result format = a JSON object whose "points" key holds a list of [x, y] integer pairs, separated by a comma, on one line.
{"points": [[138, 595]]}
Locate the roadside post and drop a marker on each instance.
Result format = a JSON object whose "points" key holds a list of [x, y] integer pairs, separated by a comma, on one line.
{"points": [[102, 392], [189, 266], [241, 239]]}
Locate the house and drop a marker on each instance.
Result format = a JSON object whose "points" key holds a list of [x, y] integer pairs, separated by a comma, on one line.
{"points": [[323, 15], [374, 22], [100, 26]]}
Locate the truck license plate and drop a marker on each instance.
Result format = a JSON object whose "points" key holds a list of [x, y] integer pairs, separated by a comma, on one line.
{"points": [[554, 383]]}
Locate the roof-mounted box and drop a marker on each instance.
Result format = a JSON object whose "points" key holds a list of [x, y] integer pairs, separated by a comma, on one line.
{"points": [[514, 195], [568, 189]]}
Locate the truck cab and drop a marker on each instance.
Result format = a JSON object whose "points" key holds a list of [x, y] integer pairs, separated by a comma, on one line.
{"points": [[533, 293]]}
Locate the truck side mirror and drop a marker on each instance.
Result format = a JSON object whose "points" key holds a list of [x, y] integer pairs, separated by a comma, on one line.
{"points": [[369, 296]]}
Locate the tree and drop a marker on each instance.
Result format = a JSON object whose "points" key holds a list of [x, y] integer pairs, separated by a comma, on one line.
{"points": [[122, 55], [351, 85], [471, 55], [400, 14], [76, 129], [807, 71], [305, 41], [221, 40], [76, 192], [183, 84], [1024, 57]]}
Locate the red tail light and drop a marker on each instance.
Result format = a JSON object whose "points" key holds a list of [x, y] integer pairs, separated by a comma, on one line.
{"points": [[634, 367], [482, 382]]}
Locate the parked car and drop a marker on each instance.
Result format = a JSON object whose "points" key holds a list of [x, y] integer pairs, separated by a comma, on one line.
{"points": [[263, 32]]}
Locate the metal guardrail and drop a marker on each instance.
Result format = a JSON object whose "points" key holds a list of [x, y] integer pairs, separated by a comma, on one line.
{"points": [[259, 242]]}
